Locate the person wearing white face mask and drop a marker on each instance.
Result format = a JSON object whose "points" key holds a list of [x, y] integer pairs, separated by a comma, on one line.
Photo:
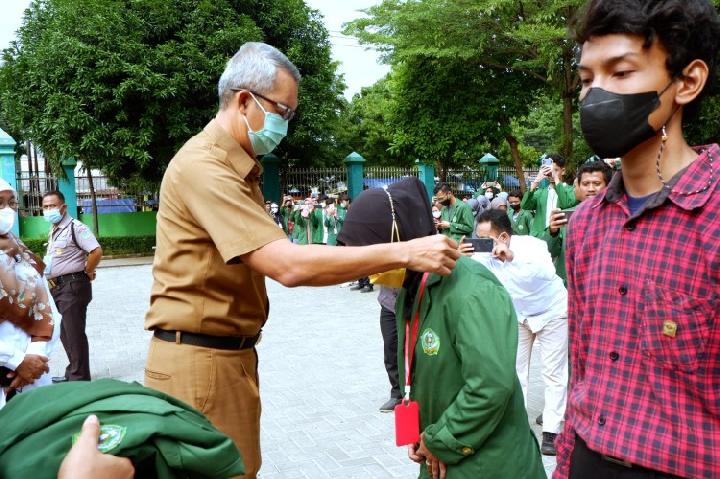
{"points": [[29, 321], [216, 245], [72, 256]]}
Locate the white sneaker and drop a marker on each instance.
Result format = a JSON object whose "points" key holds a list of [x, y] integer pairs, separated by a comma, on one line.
{"points": [[347, 285]]}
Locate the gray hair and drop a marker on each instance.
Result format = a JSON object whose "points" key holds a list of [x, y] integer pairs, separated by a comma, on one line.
{"points": [[253, 67]]}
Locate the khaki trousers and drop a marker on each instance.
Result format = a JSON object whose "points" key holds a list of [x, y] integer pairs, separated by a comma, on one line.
{"points": [[221, 384]]}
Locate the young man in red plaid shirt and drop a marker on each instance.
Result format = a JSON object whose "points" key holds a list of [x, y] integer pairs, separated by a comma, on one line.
{"points": [[643, 256]]}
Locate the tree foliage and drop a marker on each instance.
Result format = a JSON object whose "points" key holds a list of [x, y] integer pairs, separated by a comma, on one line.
{"points": [[121, 85]]}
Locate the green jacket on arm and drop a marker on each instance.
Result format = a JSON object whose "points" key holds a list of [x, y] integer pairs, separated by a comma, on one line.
{"points": [[460, 218], [537, 200], [163, 437], [556, 247], [472, 412], [298, 232]]}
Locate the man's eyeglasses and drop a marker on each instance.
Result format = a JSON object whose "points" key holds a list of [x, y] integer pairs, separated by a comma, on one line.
{"points": [[12, 204], [283, 110]]}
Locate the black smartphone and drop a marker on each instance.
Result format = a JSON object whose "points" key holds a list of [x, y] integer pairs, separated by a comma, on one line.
{"points": [[481, 245], [568, 214], [4, 380]]}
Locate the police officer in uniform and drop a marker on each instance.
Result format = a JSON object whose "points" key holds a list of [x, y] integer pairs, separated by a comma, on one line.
{"points": [[73, 254], [216, 244]]}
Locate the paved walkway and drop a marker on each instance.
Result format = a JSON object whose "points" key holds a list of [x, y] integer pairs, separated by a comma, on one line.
{"points": [[321, 372]]}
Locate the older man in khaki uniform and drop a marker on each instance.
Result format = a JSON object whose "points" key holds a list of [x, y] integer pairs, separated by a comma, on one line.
{"points": [[216, 244]]}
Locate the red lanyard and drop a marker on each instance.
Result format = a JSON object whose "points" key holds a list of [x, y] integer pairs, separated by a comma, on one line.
{"points": [[410, 343]]}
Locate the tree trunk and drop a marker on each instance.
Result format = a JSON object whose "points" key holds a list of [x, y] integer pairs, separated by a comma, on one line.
{"points": [[517, 161], [568, 96], [93, 200]]}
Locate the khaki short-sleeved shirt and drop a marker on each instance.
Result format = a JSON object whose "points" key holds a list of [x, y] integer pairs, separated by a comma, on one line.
{"points": [[211, 212], [67, 252]]}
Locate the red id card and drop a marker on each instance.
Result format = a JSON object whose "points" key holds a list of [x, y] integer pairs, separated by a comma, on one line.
{"points": [[407, 423]]}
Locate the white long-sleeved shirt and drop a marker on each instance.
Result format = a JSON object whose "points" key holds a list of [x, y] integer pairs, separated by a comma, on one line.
{"points": [[537, 293]]}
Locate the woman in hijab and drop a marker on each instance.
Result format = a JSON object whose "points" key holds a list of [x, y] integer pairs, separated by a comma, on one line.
{"points": [[29, 321], [458, 334]]}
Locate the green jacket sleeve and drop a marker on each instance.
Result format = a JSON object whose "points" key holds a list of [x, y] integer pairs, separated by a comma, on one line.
{"points": [[486, 340], [528, 202], [554, 243], [566, 196], [464, 224]]}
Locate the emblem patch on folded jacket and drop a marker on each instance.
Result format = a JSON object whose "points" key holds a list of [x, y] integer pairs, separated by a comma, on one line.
{"points": [[111, 435]]}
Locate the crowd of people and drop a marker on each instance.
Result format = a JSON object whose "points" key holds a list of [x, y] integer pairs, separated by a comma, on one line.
{"points": [[616, 277]]}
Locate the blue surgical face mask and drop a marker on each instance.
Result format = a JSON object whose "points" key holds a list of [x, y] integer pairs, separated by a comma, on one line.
{"points": [[53, 216], [274, 129]]}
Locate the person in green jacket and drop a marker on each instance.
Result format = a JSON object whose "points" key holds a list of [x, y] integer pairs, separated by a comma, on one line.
{"points": [[456, 220], [286, 211], [592, 177], [545, 199], [305, 221], [473, 421], [333, 222], [520, 219], [162, 436], [318, 222]]}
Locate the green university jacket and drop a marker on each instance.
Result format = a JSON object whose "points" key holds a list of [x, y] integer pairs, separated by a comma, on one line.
{"points": [[460, 218], [556, 246], [537, 200], [472, 411], [520, 225], [318, 231], [163, 437]]}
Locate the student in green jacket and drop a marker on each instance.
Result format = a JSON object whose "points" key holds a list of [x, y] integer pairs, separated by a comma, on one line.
{"points": [[456, 218], [473, 422], [333, 222], [545, 199], [318, 222], [520, 219], [305, 221], [592, 178]]}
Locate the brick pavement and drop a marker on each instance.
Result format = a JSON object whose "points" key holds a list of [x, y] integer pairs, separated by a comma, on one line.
{"points": [[321, 372]]}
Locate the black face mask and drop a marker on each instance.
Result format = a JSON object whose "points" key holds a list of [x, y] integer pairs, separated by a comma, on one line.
{"points": [[613, 123], [446, 202], [515, 207]]}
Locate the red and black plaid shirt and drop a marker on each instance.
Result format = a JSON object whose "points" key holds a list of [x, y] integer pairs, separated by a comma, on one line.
{"points": [[644, 319]]}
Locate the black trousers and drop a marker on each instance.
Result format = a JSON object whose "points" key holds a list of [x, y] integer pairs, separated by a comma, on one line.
{"points": [[388, 328], [72, 299], [588, 464]]}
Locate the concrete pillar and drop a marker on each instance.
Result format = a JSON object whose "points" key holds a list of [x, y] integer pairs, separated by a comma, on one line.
{"points": [[66, 186], [8, 167], [355, 174], [426, 174], [271, 178]]}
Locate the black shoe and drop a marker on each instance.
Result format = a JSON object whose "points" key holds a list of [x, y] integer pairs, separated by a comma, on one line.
{"points": [[390, 404], [356, 287], [59, 379], [538, 420], [548, 444], [367, 289]]}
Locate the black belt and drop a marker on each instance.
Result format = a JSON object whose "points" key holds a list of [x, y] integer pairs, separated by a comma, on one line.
{"points": [[67, 278], [207, 341]]}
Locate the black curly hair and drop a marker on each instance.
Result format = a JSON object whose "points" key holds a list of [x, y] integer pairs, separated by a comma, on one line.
{"points": [[688, 29]]}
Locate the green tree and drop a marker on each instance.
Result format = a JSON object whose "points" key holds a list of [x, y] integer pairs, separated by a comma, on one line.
{"points": [[122, 85]]}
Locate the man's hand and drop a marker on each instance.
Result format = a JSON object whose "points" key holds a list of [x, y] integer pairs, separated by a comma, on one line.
{"points": [[502, 252], [443, 225], [437, 469], [544, 173], [84, 461], [91, 274], [434, 254], [466, 249], [28, 371], [557, 221]]}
